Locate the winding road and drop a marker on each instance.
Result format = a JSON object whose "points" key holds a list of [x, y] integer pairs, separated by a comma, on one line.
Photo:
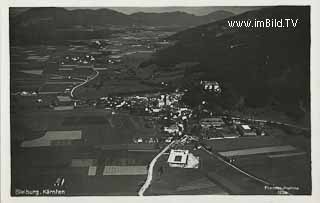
{"points": [[150, 170], [84, 82]]}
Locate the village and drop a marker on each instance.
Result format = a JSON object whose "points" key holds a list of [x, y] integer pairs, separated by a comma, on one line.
{"points": [[101, 119]]}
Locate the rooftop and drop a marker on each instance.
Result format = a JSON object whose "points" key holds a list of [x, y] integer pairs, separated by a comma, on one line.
{"points": [[246, 127], [64, 98], [178, 156]]}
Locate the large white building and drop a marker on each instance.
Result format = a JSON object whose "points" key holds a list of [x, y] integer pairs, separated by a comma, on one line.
{"points": [[183, 159], [246, 130], [178, 158]]}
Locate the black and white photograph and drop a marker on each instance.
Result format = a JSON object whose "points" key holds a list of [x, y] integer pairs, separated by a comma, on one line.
{"points": [[160, 101]]}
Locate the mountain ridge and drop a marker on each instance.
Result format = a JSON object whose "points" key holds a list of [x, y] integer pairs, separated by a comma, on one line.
{"points": [[116, 18], [260, 66], [43, 25]]}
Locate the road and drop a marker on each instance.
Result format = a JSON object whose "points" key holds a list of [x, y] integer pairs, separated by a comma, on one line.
{"points": [[150, 170], [84, 82]]}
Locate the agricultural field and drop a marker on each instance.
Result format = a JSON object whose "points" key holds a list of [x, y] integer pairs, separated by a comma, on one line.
{"points": [[282, 159], [98, 128]]}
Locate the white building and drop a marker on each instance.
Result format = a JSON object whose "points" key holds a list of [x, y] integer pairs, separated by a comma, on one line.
{"points": [[171, 129], [183, 159], [246, 130], [178, 158]]}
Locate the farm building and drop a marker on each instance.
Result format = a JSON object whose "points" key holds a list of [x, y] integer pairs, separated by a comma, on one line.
{"points": [[212, 133], [64, 98], [63, 108], [246, 130], [211, 122]]}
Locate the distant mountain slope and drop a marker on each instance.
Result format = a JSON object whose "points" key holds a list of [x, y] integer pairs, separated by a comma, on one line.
{"points": [[53, 25], [178, 18], [160, 19], [37, 25], [216, 15], [61, 17], [263, 66]]}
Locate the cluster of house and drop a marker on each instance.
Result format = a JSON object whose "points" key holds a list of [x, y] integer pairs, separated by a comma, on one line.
{"points": [[174, 119], [215, 128], [112, 102], [84, 56], [25, 93], [218, 128], [84, 59], [165, 107], [145, 140], [210, 86], [152, 104], [172, 131]]}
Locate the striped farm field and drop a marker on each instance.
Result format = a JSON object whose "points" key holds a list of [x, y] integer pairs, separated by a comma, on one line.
{"points": [[125, 170], [261, 150], [82, 162], [287, 155]]}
